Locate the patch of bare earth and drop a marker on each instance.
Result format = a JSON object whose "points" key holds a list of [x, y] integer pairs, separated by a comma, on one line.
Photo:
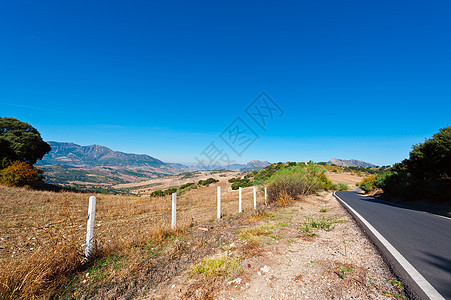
{"points": [[292, 262], [350, 179], [148, 186]]}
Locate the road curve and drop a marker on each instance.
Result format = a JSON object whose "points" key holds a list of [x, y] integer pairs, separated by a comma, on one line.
{"points": [[423, 239]]}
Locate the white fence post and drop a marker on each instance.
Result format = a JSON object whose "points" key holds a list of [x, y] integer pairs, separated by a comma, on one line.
{"points": [[255, 198], [90, 227], [266, 196], [219, 202], [174, 210], [240, 199]]}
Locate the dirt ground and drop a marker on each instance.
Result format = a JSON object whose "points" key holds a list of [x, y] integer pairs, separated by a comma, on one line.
{"points": [[148, 186], [346, 178], [292, 262]]}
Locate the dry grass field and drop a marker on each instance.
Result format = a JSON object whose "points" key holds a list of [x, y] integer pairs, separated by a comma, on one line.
{"points": [[43, 233], [161, 183], [350, 179]]}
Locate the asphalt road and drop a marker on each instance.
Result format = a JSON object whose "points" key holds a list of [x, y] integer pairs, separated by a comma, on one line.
{"points": [[422, 238]]}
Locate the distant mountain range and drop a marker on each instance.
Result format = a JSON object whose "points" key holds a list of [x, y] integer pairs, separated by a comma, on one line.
{"points": [[70, 154], [73, 165], [250, 166], [78, 166], [350, 163], [73, 155]]}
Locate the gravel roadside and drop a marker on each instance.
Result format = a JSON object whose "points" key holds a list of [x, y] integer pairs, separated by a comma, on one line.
{"points": [[340, 263], [295, 260]]}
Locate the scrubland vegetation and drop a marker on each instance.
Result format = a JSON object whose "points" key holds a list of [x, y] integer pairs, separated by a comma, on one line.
{"points": [[295, 181], [293, 178], [43, 232]]}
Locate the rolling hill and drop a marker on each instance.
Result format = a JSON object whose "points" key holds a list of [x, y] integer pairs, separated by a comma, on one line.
{"points": [[98, 167]]}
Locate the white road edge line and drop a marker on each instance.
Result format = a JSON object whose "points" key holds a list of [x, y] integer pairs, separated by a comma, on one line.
{"points": [[443, 217], [427, 288]]}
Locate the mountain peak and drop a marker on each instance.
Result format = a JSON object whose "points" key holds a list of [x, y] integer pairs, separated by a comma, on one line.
{"points": [[255, 165], [350, 163]]}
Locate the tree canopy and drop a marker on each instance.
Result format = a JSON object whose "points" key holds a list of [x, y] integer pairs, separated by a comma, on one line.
{"points": [[425, 174], [432, 159], [19, 141]]}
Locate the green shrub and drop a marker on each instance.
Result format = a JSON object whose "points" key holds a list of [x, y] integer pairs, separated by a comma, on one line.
{"points": [[367, 184], [170, 191], [186, 185], [20, 173], [297, 180], [207, 182], [245, 182], [342, 187], [157, 193]]}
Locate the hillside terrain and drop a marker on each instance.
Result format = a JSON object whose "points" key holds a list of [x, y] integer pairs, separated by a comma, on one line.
{"points": [[98, 168], [350, 163], [70, 154], [271, 251], [149, 185]]}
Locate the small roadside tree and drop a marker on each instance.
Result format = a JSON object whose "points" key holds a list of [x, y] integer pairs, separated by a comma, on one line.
{"points": [[21, 146], [19, 141]]}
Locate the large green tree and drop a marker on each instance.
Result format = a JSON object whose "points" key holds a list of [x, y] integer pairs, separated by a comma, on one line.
{"points": [[19, 141], [432, 159], [426, 173]]}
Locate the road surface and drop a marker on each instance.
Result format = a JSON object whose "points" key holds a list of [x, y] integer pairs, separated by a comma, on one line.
{"points": [[422, 238]]}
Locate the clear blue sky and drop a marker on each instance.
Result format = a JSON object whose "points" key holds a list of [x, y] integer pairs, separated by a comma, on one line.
{"points": [[354, 79]]}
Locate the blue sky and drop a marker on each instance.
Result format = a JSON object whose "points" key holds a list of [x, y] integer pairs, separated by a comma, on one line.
{"points": [[354, 79]]}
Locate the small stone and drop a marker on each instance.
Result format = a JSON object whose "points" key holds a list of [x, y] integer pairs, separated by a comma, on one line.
{"points": [[172, 286], [265, 269], [259, 273], [237, 281]]}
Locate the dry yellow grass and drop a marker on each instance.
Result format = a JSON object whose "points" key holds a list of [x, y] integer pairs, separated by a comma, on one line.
{"points": [[165, 182], [42, 233], [349, 179]]}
